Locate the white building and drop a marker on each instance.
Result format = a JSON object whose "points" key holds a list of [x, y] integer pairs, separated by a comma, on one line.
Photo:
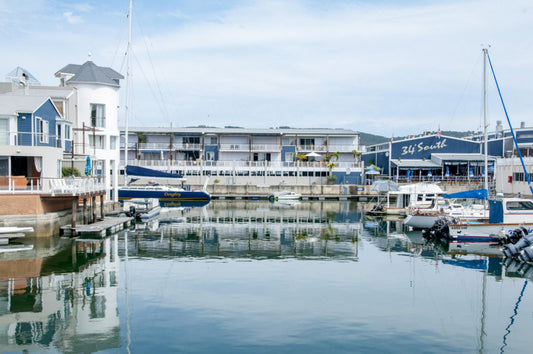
{"points": [[94, 113]]}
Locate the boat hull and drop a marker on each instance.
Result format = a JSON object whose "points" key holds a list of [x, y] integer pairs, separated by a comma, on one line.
{"points": [[165, 196], [485, 231], [420, 221]]}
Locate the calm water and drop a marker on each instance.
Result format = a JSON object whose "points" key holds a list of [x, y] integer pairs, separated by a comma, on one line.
{"points": [[255, 277]]}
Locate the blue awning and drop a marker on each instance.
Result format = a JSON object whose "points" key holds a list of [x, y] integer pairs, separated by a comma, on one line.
{"points": [[473, 194]]}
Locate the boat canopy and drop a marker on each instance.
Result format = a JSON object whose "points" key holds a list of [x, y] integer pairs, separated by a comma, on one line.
{"points": [[148, 172], [472, 194]]}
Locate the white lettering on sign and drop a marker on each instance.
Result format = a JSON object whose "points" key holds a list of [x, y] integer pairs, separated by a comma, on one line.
{"points": [[411, 149]]}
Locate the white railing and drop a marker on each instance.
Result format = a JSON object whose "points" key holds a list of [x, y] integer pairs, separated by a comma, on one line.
{"points": [[76, 186], [242, 165], [20, 184]]}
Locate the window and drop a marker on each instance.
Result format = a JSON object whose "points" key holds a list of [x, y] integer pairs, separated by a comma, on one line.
{"points": [[113, 142], [4, 132], [307, 142], [212, 140], [42, 130], [98, 115], [210, 156], [520, 205], [96, 141], [67, 132], [261, 156]]}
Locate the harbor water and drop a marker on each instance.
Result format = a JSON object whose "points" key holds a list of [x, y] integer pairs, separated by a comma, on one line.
{"points": [[260, 277]]}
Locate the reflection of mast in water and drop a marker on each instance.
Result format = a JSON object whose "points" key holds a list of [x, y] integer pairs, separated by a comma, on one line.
{"points": [[483, 334], [515, 312], [128, 329]]}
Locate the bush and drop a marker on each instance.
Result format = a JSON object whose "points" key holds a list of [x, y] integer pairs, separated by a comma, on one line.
{"points": [[67, 172], [332, 179]]}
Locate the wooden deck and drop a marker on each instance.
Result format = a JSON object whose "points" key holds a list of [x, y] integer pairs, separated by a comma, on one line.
{"points": [[99, 229]]}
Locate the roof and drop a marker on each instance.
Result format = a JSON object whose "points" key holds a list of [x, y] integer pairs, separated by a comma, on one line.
{"points": [[12, 105], [46, 91], [244, 131], [415, 163], [16, 74], [91, 73], [461, 157]]}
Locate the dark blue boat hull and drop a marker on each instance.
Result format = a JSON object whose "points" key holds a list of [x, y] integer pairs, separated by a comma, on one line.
{"points": [[163, 196]]}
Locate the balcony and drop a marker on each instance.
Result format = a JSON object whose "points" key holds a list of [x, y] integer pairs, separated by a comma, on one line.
{"points": [[266, 147], [235, 147]]}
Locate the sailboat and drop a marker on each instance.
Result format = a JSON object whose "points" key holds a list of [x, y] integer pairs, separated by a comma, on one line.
{"points": [[151, 190], [505, 214]]}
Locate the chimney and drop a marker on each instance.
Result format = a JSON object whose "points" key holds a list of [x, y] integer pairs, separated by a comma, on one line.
{"points": [[522, 124], [26, 82]]}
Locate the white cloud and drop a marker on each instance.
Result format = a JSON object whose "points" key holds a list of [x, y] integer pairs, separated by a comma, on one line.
{"points": [[71, 18]]}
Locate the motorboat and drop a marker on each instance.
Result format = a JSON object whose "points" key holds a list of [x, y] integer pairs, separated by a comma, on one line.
{"points": [[284, 195], [420, 218], [505, 216], [416, 195]]}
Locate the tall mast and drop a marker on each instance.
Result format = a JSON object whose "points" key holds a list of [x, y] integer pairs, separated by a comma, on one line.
{"points": [[485, 138], [126, 132]]}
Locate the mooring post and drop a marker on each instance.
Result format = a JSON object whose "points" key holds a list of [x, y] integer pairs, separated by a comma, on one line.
{"points": [[85, 211], [74, 216], [102, 198], [94, 209]]}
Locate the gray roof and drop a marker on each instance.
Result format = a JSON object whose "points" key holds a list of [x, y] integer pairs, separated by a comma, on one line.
{"points": [[244, 131], [91, 73], [11, 105]]}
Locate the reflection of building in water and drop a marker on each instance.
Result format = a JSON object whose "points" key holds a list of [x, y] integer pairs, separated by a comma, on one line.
{"points": [[257, 229], [68, 300]]}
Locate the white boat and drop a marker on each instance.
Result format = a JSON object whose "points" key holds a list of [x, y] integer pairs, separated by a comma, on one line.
{"points": [[285, 195], [15, 230], [417, 195], [506, 215], [425, 218], [143, 209]]}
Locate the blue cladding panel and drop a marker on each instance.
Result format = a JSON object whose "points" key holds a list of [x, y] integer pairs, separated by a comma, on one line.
{"points": [[68, 146], [24, 129], [49, 113], [423, 147], [286, 149], [352, 178], [211, 148]]}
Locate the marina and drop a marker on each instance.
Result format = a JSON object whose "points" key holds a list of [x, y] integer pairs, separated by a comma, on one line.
{"points": [[225, 274], [265, 177]]}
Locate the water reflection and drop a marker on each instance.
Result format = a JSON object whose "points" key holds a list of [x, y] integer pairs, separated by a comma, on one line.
{"points": [[253, 229], [254, 276], [63, 291]]}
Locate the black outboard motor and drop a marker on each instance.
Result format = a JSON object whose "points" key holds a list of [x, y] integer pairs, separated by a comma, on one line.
{"points": [[377, 207], [516, 235], [439, 230], [521, 240], [131, 212]]}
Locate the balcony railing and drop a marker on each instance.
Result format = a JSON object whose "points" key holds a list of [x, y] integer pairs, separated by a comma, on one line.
{"points": [[31, 139], [54, 186]]}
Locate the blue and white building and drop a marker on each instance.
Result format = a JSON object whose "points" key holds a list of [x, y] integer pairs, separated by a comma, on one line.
{"points": [[248, 156], [32, 141]]}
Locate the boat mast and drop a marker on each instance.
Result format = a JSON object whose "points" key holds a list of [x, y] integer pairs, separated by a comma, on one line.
{"points": [[126, 132], [485, 138]]}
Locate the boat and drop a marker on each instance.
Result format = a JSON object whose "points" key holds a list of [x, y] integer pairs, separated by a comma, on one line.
{"points": [[284, 195], [418, 218], [155, 190], [142, 209], [9, 232], [416, 195], [507, 216]]}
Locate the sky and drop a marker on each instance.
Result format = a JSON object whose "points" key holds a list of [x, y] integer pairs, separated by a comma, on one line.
{"points": [[383, 67]]}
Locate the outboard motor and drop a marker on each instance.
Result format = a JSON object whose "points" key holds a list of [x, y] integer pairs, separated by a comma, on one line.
{"points": [[526, 255], [516, 235], [522, 240], [439, 230], [131, 212]]}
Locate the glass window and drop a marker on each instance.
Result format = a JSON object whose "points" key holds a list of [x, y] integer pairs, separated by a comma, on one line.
{"points": [[4, 132], [113, 142], [98, 115], [520, 205], [96, 141]]}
